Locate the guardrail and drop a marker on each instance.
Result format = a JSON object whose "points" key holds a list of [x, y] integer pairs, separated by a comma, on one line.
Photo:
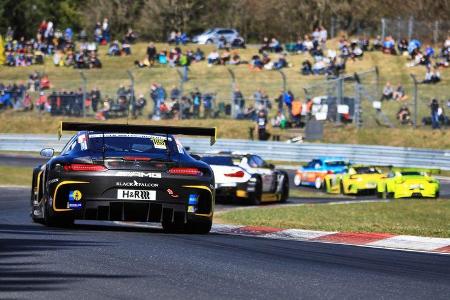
{"points": [[278, 151]]}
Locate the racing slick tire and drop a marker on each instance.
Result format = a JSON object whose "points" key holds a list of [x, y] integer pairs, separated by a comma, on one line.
{"points": [[199, 227], [341, 187], [297, 180], [32, 206], [255, 197], [285, 190], [55, 221], [318, 183], [191, 227]]}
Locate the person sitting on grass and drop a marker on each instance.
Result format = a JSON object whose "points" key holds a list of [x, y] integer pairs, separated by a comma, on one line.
{"points": [[199, 55], [402, 46], [388, 92], [399, 94], [213, 58], [432, 76], [225, 56], [114, 49], [389, 46], [404, 115]]}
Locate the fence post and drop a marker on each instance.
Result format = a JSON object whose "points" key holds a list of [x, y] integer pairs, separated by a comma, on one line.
{"points": [[436, 31], [410, 27], [383, 28], [340, 90], [399, 28], [357, 118], [84, 93], [180, 74], [377, 82], [333, 29], [415, 98], [133, 99], [233, 88]]}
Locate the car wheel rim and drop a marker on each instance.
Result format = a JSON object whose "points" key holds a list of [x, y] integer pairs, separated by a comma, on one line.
{"points": [[318, 183]]}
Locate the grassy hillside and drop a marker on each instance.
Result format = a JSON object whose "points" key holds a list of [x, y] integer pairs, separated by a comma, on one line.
{"points": [[216, 79]]}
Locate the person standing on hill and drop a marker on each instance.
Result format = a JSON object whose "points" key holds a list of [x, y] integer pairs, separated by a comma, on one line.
{"points": [[434, 107]]}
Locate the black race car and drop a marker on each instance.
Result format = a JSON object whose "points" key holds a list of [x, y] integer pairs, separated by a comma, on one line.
{"points": [[125, 173]]}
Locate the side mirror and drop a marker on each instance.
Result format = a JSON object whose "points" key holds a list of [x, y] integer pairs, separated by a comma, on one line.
{"points": [[47, 152], [197, 157], [187, 148]]}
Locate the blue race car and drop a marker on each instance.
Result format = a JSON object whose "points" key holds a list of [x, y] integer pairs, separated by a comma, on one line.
{"points": [[314, 172]]}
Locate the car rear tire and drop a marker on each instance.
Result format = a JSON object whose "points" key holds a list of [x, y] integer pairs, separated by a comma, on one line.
{"points": [[199, 227], [285, 190], [318, 183], [54, 221], [297, 180], [255, 197]]}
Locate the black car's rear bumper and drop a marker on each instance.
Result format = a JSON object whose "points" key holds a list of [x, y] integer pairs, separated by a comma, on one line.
{"points": [[97, 198]]}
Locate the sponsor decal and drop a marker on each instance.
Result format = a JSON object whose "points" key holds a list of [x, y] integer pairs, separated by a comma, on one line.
{"points": [[193, 199], [191, 209], [172, 193], [134, 183], [136, 195], [53, 180], [75, 195], [159, 142], [74, 199], [138, 174]]}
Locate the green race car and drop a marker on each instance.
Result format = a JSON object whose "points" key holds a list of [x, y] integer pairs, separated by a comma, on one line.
{"points": [[358, 179], [408, 183]]}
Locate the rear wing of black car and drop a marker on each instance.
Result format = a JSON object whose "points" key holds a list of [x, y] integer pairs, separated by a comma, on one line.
{"points": [[142, 129]]}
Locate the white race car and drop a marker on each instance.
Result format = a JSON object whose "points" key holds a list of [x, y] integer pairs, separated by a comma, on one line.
{"points": [[242, 176]]}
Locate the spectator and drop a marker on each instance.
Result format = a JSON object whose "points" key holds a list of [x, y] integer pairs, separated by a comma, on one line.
{"points": [[139, 105], [130, 36], [402, 46], [265, 45], [151, 53], [175, 93], [261, 124], [199, 55], [389, 45], [323, 36], [275, 46], [399, 94], [377, 44], [280, 63], [196, 101], [434, 108], [95, 98], [306, 68], [213, 58], [114, 48], [388, 92], [106, 31], [238, 101], [404, 115]]}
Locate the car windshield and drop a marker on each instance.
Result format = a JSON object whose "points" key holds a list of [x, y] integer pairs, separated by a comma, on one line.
{"points": [[208, 31], [336, 163], [411, 173], [121, 143], [366, 170], [218, 160]]}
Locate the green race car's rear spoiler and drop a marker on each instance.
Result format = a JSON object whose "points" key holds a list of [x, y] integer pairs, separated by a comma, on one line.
{"points": [[142, 129], [406, 169]]}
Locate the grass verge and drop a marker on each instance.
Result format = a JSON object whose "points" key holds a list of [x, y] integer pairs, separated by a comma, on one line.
{"points": [[411, 217], [10, 175]]}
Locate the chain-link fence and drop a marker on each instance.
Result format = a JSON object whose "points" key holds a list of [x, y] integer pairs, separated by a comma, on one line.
{"points": [[349, 99]]}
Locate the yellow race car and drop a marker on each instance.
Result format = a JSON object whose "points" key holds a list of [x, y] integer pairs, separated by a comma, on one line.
{"points": [[408, 183], [358, 179]]}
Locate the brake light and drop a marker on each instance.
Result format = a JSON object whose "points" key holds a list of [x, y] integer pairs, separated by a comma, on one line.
{"points": [[84, 168], [136, 158], [185, 171], [239, 174], [330, 172]]}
